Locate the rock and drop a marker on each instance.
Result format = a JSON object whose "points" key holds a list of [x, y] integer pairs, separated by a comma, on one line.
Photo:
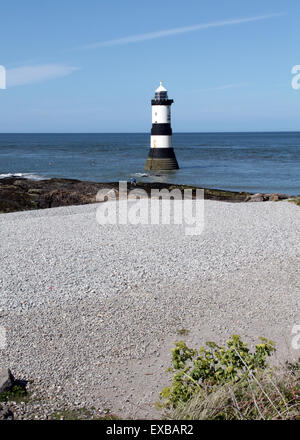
{"points": [[35, 191], [283, 196], [6, 380], [6, 413], [259, 197], [274, 197], [61, 197], [19, 194]]}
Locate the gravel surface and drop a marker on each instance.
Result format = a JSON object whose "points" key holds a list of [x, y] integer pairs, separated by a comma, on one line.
{"points": [[91, 312]]}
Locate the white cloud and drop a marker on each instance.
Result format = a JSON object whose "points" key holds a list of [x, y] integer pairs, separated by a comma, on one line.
{"points": [[176, 31], [32, 74]]}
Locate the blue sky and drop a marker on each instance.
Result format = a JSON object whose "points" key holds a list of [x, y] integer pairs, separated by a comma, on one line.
{"points": [[93, 66]]}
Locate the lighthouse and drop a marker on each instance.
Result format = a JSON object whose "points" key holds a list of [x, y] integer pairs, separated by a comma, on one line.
{"points": [[161, 154]]}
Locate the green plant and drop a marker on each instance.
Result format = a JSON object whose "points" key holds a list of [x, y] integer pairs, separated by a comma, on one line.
{"points": [[212, 365], [17, 394], [183, 332], [296, 201], [266, 396]]}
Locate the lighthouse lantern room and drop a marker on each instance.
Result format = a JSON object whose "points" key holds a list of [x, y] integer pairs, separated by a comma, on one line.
{"points": [[161, 155]]}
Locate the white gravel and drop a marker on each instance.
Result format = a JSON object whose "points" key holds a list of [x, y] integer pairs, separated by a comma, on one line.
{"points": [[91, 312]]}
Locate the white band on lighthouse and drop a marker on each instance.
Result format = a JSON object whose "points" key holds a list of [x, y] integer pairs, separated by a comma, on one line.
{"points": [[161, 114], [161, 141]]}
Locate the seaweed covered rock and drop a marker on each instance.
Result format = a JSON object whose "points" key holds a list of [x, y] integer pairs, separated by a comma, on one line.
{"points": [[19, 194]]}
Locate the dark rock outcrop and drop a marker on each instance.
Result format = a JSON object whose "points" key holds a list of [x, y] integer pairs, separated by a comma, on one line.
{"points": [[6, 413], [6, 380], [19, 194]]}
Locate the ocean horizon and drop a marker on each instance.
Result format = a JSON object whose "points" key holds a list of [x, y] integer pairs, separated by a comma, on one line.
{"points": [[237, 161]]}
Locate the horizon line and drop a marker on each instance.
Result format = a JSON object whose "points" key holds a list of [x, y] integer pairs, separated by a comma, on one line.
{"points": [[148, 132]]}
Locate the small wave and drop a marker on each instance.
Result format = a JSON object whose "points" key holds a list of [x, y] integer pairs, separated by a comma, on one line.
{"points": [[29, 176], [141, 174]]}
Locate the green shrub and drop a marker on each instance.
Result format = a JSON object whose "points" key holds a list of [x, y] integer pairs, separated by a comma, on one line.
{"points": [[264, 397], [17, 394], [212, 365]]}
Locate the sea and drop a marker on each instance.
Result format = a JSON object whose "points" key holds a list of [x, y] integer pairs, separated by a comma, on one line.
{"points": [[254, 162]]}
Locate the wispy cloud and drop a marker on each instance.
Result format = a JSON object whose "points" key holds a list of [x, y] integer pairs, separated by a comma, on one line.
{"points": [[32, 74], [176, 31]]}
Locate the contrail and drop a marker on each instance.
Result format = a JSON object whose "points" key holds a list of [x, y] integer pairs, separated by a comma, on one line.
{"points": [[176, 31]]}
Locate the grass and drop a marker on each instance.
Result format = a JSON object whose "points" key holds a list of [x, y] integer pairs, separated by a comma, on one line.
{"points": [[295, 200], [266, 396], [17, 394]]}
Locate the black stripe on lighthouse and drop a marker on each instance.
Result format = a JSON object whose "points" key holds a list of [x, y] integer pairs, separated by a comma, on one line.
{"points": [[161, 130], [162, 153], [162, 101]]}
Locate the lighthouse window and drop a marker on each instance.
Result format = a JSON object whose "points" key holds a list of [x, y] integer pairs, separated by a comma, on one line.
{"points": [[161, 95]]}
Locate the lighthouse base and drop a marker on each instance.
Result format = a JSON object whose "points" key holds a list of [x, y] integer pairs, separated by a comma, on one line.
{"points": [[161, 159]]}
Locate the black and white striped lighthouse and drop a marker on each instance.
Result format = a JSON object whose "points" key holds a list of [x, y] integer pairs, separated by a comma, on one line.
{"points": [[161, 155]]}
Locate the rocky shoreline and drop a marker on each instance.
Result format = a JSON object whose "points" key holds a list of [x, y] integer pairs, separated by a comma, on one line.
{"points": [[19, 194]]}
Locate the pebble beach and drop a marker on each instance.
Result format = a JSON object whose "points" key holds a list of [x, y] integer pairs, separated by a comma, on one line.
{"points": [[91, 312]]}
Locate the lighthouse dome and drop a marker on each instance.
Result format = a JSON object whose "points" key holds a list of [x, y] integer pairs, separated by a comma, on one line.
{"points": [[160, 88], [161, 92]]}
